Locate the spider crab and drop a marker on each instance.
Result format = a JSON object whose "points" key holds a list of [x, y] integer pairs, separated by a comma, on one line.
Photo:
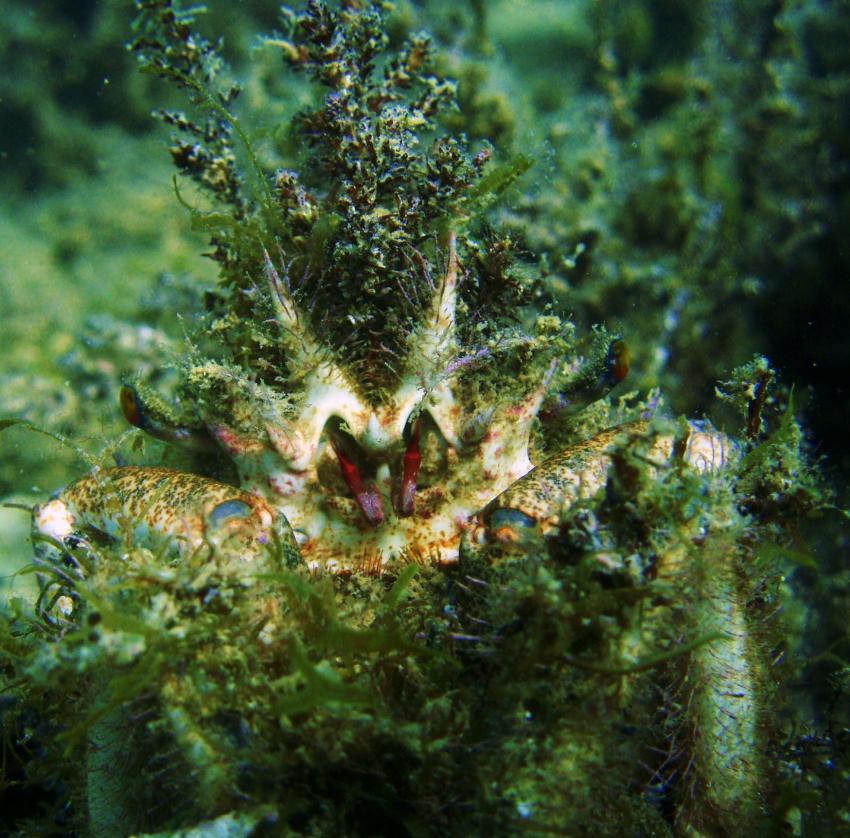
{"points": [[450, 461], [356, 484], [431, 475]]}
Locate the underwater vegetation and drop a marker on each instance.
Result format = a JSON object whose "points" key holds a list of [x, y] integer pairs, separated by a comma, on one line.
{"points": [[392, 633]]}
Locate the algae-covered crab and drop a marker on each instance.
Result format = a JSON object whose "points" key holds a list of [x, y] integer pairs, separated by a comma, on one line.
{"points": [[357, 482], [373, 368]]}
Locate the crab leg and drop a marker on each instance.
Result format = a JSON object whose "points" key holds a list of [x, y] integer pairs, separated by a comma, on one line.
{"points": [[598, 376], [537, 499], [154, 506], [143, 414], [723, 676]]}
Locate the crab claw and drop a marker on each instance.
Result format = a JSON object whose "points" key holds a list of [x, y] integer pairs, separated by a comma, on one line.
{"points": [[604, 370], [411, 462], [147, 414], [365, 494]]}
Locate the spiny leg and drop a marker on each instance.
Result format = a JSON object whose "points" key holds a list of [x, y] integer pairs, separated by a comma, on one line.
{"points": [[702, 563], [151, 507], [156, 506], [580, 471]]}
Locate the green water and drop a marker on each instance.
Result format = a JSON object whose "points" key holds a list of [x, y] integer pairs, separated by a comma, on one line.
{"points": [[689, 190]]}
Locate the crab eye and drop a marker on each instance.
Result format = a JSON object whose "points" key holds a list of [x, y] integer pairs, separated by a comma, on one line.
{"points": [[597, 376]]}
